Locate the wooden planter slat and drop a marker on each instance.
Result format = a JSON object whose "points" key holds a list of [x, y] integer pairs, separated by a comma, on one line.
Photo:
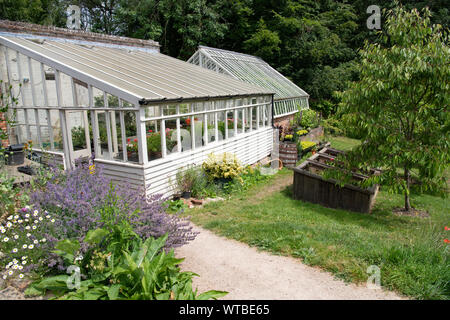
{"points": [[312, 187]]}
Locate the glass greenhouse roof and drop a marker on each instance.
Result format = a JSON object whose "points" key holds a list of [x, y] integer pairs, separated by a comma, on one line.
{"points": [[250, 69], [144, 77]]}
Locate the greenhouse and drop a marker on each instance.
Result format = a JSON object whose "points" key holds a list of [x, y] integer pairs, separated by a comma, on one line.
{"points": [[288, 99], [143, 114]]}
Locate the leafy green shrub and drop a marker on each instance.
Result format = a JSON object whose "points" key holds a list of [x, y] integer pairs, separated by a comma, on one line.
{"points": [[175, 205], [307, 119], [224, 166], [333, 126], [128, 268]]}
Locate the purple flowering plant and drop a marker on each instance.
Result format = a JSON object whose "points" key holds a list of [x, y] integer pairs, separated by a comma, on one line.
{"points": [[79, 200]]}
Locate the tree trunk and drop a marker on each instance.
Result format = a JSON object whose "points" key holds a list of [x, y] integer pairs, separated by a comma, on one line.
{"points": [[407, 199]]}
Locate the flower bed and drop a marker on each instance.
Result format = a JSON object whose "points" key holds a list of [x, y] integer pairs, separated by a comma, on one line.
{"points": [[117, 240]]}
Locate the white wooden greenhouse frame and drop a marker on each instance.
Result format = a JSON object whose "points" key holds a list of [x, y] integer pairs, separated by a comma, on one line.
{"points": [[288, 98], [64, 85]]}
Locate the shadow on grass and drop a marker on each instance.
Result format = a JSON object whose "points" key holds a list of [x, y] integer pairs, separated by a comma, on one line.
{"points": [[379, 217]]}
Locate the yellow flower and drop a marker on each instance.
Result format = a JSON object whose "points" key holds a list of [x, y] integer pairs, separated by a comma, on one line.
{"points": [[92, 169]]}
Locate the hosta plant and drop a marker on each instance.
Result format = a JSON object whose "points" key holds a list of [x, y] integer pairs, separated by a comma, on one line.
{"points": [[121, 266]]}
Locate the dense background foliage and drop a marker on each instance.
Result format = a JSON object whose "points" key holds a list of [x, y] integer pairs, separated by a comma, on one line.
{"points": [[313, 42]]}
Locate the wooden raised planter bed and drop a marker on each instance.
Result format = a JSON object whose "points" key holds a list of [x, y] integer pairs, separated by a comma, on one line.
{"points": [[310, 186]]}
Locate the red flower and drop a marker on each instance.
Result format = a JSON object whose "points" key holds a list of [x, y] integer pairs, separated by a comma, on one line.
{"points": [[128, 140], [150, 130], [446, 241], [332, 159], [188, 121], [135, 140], [447, 228]]}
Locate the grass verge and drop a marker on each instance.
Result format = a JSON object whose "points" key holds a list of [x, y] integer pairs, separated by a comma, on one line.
{"points": [[410, 252]]}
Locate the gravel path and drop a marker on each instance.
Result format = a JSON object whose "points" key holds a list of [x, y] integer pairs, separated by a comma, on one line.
{"points": [[249, 274]]}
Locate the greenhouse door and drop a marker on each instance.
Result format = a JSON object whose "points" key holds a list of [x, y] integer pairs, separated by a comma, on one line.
{"points": [[79, 142]]}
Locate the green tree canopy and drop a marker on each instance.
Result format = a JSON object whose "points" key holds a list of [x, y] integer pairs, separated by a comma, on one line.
{"points": [[401, 104]]}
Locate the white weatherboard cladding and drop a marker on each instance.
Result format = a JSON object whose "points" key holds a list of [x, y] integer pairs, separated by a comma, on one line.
{"points": [[249, 148]]}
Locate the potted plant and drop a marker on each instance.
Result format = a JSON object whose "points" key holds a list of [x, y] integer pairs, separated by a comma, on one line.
{"points": [[288, 138], [132, 147], [185, 181], [154, 145]]}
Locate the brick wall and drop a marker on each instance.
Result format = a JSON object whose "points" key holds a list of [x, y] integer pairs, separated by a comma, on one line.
{"points": [[284, 121], [49, 31]]}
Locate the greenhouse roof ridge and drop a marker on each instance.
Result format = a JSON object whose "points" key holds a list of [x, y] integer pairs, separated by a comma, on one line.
{"points": [[234, 53], [54, 33], [247, 68]]}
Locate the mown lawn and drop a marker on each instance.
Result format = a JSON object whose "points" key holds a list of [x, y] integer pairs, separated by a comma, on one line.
{"points": [[410, 252]]}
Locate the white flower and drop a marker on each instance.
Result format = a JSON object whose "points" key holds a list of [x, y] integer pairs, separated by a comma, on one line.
{"points": [[2, 230], [35, 242], [20, 221], [35, 213], [43, 240], [9, 218], [28, 234], [26, 220], [4, 277], [27, 215], [16, 217], [53, 220], [31, 246], [40, 218], [15, 266], [15, 261], [16, 236], [47, 216], [34, 227], [24, 262], [35, 221], [27, 227], [24, 257], [79, 258], [24, 246], [5, 239], [20, 267], [14, 250], [8, 225], [21, 276], [10, 272], [9, 265]]}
